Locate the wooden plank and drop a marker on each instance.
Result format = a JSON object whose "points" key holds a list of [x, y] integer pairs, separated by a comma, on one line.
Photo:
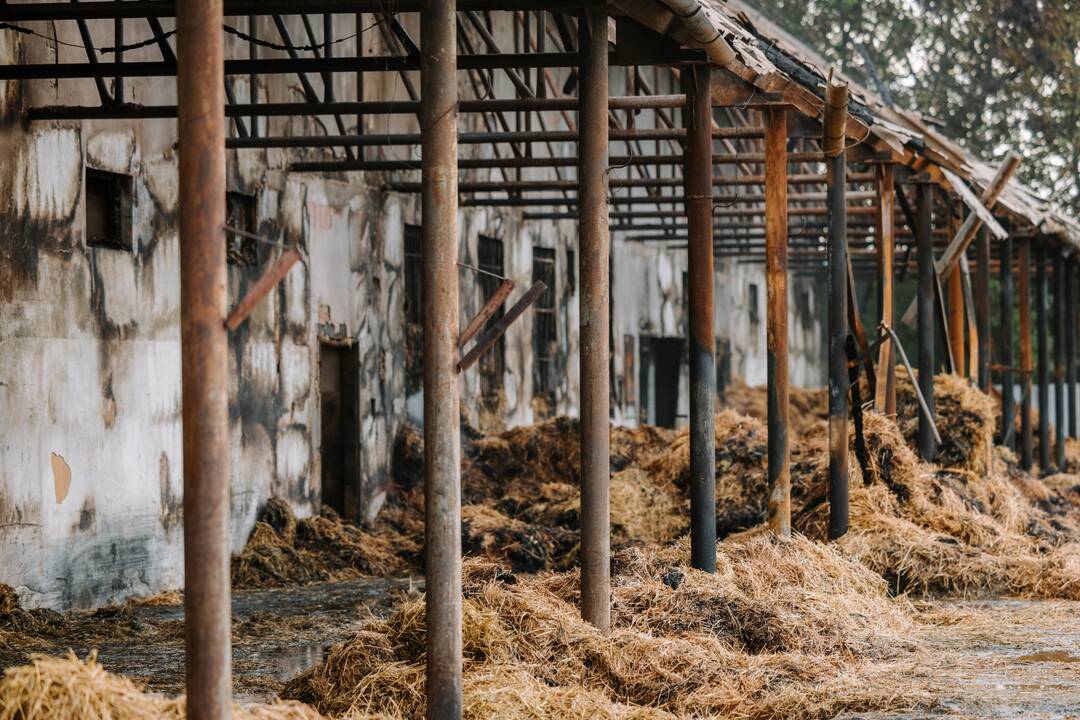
{"points": [[262, 287], [975, 205], [959, 244], [492, 334], [490, 308]]}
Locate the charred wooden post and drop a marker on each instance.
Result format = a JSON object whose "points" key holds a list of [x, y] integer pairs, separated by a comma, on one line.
{"points": [[982, 307], [442, 441], [776, 279], [1008, 401], [1071, 317], [1024, 272], [1060, 405], [593, 254], [834, 127], [204, 359], [927, 294], [699, 210], [1042, 299], [885, 399]]}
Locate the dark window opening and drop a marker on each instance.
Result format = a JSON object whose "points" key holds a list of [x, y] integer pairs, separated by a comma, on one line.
{"points": [[339, 369], [723, 365], [240, 214], [493, 362], [108, 210], [545, 339], [571, 272], [755, 311], [414, 334]]}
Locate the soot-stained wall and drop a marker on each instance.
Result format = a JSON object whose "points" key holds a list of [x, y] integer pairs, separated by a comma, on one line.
{"points": [[91, 476]]}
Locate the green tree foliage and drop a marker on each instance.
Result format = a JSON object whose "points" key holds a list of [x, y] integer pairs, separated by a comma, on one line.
{"points": [[995, 74]]}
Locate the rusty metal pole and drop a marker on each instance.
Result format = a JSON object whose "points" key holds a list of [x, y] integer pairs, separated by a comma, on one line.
{"points": [[1042, 299], [594, 253], [982, 307], [835, 130], [1024, 271], [699, 210], [927, 298], [1060, 405], [954, 290], [204, 358], [1008, 400], [442, 443], [885, 401], [1071, 313], [776, 319]]}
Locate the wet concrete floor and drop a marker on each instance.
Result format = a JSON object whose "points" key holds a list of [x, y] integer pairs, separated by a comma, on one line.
{"points": [[277, 634], [1001, 660], [990, 660]]}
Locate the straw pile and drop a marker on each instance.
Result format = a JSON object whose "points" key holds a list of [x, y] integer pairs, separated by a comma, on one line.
{"points": [[958, 529], [966, 419], [283, 550], [808, 408], [67, 688], [929, 530], [784, 629]]}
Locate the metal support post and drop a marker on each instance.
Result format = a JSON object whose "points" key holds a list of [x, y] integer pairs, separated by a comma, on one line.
{"points": [[834, 128], [1027, 459], [776, 280], [982, 307], [594, 253], [1071, 316], [1060, 404], [204, 359], [1042, 300], [926, 301], [442, 443], [699, 210], [1008, 400]]}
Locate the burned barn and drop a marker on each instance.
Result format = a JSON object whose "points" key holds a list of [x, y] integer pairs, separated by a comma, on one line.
{"points": [[359, 289]]}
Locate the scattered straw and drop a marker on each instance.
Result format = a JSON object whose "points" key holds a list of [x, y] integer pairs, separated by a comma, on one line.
{"points": [[67, 688], [785, 629]]}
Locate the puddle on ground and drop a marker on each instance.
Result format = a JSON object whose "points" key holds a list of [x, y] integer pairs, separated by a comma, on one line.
{"points": [[277, 634], [1049, 656]]}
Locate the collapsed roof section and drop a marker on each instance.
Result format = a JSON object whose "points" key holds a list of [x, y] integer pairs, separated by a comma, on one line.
{"points": [[755, 49]]}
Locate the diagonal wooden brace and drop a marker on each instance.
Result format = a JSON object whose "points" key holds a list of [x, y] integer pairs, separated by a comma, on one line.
{"points": [[489, 309], [500, 326], [262, 287], [959, 244]]}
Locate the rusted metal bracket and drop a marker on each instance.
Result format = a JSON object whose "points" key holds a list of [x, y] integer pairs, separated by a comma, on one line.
{"points": [[489, 309], [262, 287], [911, 374], [492, 334]]}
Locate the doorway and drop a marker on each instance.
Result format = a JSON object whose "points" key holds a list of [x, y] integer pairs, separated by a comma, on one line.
{"points": [[339, 367], [662, 359]]}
